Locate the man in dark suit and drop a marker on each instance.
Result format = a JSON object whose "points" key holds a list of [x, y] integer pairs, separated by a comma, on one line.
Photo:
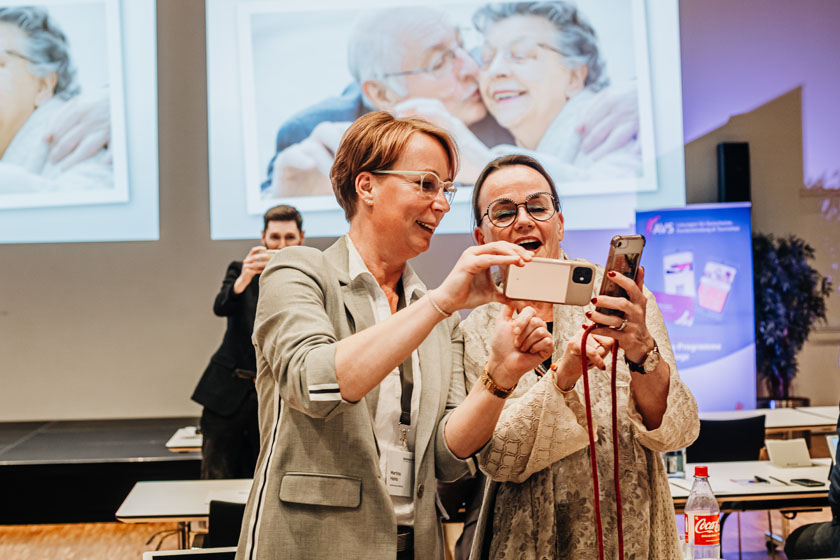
{"points": [[231, 440]]}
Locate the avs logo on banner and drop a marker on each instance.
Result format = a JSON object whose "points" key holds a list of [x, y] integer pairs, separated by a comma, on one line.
{"points": [[698, 264]]}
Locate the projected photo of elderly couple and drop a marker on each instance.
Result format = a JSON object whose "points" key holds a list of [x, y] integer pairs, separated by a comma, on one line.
{"points": [[61, 128], [566, 82]]}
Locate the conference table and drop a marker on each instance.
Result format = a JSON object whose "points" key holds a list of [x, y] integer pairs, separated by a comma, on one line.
{"points": [[187, 501], [737, 489], [817, 419], [180, 501], [185, 440]]}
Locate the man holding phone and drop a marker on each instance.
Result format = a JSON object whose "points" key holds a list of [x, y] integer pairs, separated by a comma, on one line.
{"points": [[231, 442]]}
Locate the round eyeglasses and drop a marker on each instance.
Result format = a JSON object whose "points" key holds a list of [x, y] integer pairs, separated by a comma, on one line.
{"points": [[427, 182], [503, 212], [520, 52]]}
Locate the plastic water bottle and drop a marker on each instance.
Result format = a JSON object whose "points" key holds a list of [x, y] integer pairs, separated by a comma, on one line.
{"points": [[702, 518]]}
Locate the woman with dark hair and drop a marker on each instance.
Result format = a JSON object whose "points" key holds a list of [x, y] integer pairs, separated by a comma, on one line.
{"points": [[360, 376], [540, 503], [37, 82]]}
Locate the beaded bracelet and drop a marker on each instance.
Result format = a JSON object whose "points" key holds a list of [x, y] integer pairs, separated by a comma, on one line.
{"points": [[436, 306]]}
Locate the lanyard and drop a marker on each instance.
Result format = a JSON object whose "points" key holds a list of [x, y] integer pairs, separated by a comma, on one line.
{"points": [[406, 372]]}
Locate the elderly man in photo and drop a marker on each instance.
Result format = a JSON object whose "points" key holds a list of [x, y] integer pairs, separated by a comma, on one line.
{"points": [[394, 55]]}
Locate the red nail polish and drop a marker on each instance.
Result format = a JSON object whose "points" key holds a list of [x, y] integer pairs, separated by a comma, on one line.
{"points": [[583, 326], [594, 300], [611, 273], [588, 314]]}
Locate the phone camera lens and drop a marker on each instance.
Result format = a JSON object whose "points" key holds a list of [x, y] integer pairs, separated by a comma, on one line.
{"points": [[581, 275]]}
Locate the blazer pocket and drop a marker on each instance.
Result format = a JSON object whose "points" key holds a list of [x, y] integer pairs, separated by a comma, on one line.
{"points": [[321, 489]]}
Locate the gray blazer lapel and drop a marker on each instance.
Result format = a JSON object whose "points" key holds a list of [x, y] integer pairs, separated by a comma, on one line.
{"points": [[357, 303]]}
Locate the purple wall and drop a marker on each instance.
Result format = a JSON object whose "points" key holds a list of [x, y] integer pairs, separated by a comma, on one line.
{"points": [[739, 54]]}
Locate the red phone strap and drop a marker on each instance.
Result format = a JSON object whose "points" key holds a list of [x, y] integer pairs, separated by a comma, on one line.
{"points": [[599, 531]]}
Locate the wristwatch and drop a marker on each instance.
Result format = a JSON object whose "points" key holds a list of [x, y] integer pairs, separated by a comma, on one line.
{"points": [[491, 386], [648, 364]]}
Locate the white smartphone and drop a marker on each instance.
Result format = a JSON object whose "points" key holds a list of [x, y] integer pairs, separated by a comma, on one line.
{"points": [[551, 280]]}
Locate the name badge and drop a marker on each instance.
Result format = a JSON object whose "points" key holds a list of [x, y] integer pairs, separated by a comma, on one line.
{"points": [[399, 471]]}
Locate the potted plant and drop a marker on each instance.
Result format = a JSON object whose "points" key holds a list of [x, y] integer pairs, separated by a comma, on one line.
{"points": [[790, 298]]}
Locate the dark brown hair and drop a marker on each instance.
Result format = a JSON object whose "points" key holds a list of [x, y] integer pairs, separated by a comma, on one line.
{"points": [[282, 213], [376, 141], [508, 161]]}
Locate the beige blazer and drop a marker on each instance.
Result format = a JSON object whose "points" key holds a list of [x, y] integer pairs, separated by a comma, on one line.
{"points": [[317, 489]]}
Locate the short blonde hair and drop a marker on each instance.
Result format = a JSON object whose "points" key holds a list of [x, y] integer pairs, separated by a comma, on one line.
{"points": [[376, 141]]}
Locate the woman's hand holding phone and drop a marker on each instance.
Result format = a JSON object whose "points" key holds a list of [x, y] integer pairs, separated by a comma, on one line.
{"points": [[630, 326]]}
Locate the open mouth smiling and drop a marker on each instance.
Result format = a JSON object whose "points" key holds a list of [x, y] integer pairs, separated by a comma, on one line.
{"points": [[530, 244], [504, 95], [424, 225]]}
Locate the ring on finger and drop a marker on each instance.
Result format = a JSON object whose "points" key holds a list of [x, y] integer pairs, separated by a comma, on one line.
{"points": [[623, 324]]}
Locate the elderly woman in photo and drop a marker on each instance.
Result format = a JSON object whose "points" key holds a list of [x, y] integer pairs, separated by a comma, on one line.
{"points": [[540, 504], [360, 375], [540, 68], [542, 77], [37, 80]]}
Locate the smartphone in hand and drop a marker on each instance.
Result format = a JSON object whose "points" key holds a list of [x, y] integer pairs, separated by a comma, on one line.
{"points": [[551, 280], [624, 258]]}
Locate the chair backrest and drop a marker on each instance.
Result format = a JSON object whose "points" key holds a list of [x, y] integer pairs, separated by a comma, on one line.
{"points": [[223, 524], [728, 440]]}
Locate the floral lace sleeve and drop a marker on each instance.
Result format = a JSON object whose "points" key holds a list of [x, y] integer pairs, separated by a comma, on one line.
{"points": [[538, 426], [680, 425]]}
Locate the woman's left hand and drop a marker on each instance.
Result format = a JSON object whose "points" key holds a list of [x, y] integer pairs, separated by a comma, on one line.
{"points": [[520, 342], [631, 332]]}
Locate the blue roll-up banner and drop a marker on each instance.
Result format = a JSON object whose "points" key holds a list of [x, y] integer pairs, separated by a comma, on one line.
{"points": [[698, 264]]}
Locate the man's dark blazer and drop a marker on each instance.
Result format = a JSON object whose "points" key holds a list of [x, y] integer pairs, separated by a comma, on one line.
{"points": [[219, 389]]}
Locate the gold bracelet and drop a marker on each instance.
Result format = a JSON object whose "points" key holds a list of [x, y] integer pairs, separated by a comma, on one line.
{"points": [[436, 306], [491, 386], [556, 386]]}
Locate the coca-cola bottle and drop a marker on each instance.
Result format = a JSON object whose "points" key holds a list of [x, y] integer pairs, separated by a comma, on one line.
{"points": [[702, 518]]}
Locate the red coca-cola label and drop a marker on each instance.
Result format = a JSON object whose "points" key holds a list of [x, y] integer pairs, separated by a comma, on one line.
{"points": [[706, 529]]}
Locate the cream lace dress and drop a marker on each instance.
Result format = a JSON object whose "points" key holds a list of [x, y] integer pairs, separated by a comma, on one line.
{"points": [[539, 504]]}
